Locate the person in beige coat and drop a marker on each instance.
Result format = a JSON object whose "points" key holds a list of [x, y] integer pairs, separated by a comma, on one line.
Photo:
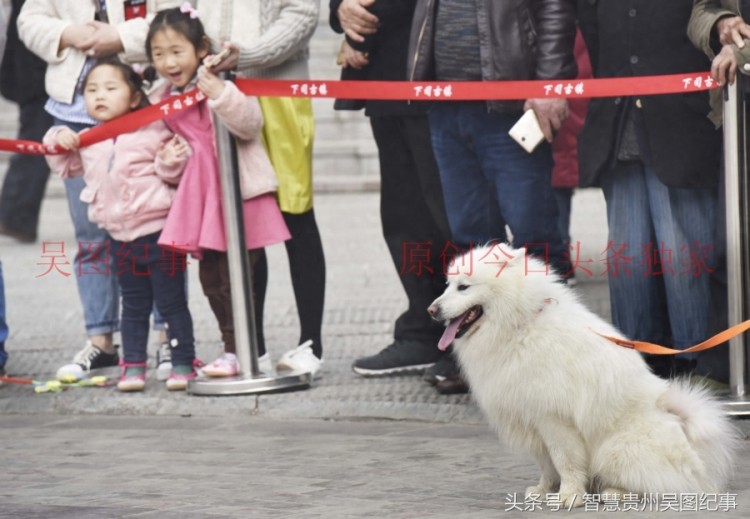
{"points": [[270, 39], [69, 35]]}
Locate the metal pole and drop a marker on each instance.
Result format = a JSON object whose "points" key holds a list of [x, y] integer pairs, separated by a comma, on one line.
{"points": [[250, 379], [735, 175]]}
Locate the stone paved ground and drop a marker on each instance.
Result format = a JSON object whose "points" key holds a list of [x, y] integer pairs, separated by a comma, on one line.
{"points": [[363, 298], [102, 467], [346, 448]]}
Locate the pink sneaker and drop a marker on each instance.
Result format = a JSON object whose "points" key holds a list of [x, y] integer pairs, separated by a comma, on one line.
{"points": [[179, 381], [132, 376], [224, 366]]}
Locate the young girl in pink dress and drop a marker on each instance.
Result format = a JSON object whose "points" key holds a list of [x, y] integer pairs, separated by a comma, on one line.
{"points": [[176, 46]]}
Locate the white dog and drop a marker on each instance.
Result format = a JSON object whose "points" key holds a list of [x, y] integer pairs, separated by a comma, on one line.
{"points": [[590, 412]]}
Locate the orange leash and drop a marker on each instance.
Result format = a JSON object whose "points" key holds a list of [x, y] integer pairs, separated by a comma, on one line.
{"points": [[655, 349]]}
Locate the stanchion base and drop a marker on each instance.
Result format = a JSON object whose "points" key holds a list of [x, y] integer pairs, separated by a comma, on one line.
{"points": [[248, 385], [736, 405]]}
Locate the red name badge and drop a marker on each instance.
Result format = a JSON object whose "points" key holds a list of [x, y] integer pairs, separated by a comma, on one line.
{"points": [[135, 9]]}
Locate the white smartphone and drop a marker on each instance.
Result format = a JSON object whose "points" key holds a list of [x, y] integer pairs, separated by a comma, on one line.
{"points": [[527, 131], [219, 57]]}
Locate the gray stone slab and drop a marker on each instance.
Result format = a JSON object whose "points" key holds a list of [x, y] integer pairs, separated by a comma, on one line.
{"points": [[236, 467]]}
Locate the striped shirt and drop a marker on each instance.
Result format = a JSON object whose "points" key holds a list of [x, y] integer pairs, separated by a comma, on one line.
{"points": [[457, 41]]}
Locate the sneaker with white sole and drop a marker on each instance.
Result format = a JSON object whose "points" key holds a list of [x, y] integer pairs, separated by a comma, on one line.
{"points": [[301, 359], [163, 361], [132, 377], [225, 366], [179, 381], [265, 366], [89, 360]]}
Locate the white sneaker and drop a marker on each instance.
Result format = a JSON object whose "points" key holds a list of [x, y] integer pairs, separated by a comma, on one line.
{"points": [[163, 362], [301, 359], [264, 364]]}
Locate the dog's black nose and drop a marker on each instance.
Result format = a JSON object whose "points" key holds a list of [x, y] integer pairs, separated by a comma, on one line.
{"points": [[432, 310]]}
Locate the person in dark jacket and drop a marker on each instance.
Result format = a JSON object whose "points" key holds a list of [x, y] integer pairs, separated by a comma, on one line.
{"points": [[22, 81], [657, 161], [412, 210], [488, 179]]}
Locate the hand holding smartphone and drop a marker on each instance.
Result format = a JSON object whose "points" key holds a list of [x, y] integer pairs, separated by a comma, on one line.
{"points": [[527, 131], [218, 58]]}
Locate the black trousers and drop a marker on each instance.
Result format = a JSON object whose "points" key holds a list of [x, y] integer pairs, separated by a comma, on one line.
{"points": [[412, 213], [307, 266], [26, 180]]}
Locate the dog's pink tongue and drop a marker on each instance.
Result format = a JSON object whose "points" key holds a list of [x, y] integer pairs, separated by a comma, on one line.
{"points": [[449, 334]]}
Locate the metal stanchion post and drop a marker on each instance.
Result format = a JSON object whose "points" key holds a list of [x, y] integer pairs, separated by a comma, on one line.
{"points": [[737, 207], [250, 379]]}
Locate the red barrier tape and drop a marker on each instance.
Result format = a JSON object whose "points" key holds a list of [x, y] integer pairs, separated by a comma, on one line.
{"points": [[394, 91], [480, 90], [126, 123]]}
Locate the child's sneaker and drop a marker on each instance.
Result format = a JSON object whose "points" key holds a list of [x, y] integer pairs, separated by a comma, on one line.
{"points": [[301, 359], [228, 366], [163, 362], [133, 377], [89, 359], [224, 366], [181, 375]]}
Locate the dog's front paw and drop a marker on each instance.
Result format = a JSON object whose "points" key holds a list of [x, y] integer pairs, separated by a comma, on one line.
{"points": [[537, 490], [571, 499]]}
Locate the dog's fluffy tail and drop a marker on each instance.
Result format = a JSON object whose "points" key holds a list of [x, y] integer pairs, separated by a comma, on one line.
{"points": [[708, 429]]}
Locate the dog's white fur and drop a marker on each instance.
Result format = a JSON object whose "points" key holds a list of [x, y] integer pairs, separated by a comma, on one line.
{"points": [[590, 412]]}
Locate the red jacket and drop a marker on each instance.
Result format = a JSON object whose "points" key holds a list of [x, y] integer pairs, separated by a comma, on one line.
{"points": [[565, 145]]}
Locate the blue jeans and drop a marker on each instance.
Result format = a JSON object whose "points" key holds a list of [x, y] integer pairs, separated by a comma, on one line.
{"points": [[98, 291], [3, 323], [668, 303], [147, 278], [489, 179]]}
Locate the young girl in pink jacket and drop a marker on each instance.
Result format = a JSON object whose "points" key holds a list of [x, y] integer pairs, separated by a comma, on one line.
{"points": [[130, 185], [176, 45]]}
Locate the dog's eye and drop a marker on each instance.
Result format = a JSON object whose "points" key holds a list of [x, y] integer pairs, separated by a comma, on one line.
{"points": [[461, 288]]}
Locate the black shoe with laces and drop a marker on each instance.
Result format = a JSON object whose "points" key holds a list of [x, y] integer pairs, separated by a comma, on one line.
{"points": [[90, 359], [399, 357], [446, 367]]}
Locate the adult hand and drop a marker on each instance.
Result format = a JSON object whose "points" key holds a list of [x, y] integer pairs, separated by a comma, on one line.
{"points": [[732, 29], [173, 151], [356, 20], [231, 61], [354, 58], [104, 41], [67, 139], [74, 35], [551, 113], [724, 65], [209, 83]]}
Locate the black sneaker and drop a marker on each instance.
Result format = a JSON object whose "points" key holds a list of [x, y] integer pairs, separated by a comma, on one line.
{"points": [[453, 385], [441, 370], [89, 359], [399, 357]]}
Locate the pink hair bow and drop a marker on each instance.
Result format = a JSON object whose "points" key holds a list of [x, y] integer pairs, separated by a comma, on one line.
{"points": [[187, 8]]}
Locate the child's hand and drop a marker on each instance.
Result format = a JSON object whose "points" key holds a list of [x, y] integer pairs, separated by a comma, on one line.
{"points": [[67, 139], [209, 83], [174, 150]]}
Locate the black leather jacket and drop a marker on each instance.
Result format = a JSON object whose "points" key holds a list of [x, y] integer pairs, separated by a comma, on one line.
{"points": [[519, 40]]}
